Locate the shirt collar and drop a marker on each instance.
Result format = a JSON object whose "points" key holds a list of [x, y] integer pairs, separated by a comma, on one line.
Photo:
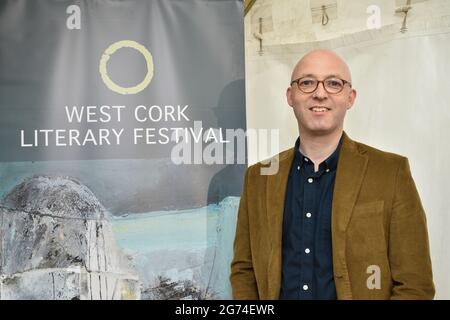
{"points": [[330, 163]]}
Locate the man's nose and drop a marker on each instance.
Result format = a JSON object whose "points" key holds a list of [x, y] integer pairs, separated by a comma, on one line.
{"points": [[320, 92]]}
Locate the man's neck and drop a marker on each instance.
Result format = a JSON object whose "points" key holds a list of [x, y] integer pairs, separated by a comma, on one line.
{"points": [[319, 148]]}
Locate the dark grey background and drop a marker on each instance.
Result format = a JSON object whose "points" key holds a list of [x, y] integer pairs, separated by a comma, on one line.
{"points": [[197, 49]]}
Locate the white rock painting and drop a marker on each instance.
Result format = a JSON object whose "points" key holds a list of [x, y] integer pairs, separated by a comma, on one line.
{"points": [[56, 242]]}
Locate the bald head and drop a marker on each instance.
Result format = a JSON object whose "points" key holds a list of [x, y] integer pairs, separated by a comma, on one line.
{"points": [[322, 63]]}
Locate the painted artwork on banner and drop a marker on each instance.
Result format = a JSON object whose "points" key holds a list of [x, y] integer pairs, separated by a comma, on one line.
{"points": [[122, 126]]}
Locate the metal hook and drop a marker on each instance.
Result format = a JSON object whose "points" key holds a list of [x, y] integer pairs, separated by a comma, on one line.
{"points": [[404, 28], [259, 36], [325, 18], [405, 11]]}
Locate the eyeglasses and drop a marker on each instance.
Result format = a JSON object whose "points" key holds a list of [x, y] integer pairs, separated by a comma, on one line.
{"points": [[331, 85]]}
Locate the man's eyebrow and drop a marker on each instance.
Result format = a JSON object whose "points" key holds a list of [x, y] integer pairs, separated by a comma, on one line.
{"points": [[310, 75]]}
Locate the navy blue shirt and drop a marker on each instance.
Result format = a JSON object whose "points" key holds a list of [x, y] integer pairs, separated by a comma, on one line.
{"points": [[307, 255]]}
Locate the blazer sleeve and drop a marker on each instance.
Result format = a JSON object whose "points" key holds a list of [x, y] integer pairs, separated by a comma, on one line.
{"points": [[242, 278], [409, 251]]}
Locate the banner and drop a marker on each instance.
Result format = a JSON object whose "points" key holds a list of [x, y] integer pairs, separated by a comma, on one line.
{"points": [[122, 147]]}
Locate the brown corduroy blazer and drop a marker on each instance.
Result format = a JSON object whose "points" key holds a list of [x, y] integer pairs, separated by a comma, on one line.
{"points": [[377, 220]]}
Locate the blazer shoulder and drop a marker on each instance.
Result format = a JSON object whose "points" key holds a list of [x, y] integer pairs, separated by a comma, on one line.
{"points": [[380, 156]]}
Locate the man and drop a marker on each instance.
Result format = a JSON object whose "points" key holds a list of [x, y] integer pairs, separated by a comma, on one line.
{"points": [[340, 219]]}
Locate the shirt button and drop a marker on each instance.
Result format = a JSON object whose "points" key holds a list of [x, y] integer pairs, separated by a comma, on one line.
{"points": [[306, 159], [298, 168], [308, 215], [328, 170], [310, 180], [305, 287], [307, 250]]}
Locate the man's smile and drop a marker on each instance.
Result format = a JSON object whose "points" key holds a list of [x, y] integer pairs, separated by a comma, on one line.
{"points": [[319, 109]]}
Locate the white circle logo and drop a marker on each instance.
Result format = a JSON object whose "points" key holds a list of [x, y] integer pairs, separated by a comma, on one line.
{"points": [[110, 51]]}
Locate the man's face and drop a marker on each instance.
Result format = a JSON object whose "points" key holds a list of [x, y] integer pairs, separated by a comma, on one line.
{"points": [[320, 112]]}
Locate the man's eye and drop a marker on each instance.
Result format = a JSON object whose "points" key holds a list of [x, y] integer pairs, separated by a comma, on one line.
{"points": [[307, 82], [334, 83]]}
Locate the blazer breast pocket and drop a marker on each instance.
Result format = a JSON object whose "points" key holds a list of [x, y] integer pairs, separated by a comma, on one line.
{"points": [[368, 208], [366, 231], [368, 219]]}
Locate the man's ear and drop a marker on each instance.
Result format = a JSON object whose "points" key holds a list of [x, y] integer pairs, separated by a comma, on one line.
{"points": [[351, 99], [289, 96]]}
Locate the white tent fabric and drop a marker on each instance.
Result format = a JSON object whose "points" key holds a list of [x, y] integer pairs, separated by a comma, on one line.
{"points": [[403, 106]]}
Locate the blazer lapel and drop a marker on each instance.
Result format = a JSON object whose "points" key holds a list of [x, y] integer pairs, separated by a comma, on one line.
{"points": [[275, 196], [351, 169]]}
